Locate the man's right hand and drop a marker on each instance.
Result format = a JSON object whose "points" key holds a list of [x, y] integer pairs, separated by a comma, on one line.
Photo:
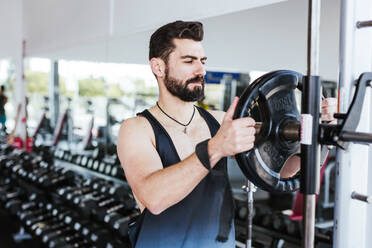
{"points": [[234, 136]]}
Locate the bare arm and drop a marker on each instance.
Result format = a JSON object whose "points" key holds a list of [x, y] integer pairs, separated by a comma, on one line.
{"points": [[158, 188]]}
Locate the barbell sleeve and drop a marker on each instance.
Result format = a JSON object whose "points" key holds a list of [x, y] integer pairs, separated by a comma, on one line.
{"points": [[289, 131]]}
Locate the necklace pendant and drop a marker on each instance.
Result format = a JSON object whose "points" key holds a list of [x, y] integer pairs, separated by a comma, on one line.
{"points": [[185, 130]]}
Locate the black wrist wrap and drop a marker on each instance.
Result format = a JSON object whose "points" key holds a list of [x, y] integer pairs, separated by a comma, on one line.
{"points": [[201, 151]]}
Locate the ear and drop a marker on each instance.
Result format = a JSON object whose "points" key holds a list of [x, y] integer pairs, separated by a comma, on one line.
{"points": [[157, 67]]}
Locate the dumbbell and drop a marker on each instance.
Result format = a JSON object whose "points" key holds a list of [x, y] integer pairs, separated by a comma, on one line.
{"points": [[82, 244], [70, 190], [67, 189], [47, 177], [87, 230], [91, 195], [65, 240], [66, 156], [110, 218], [95, 183], [13, 205], [11, 194], [8, 163], [102, 167], [62, 213], [105, 186], [33, 176], [121, 225], [98, 185], [69, 157], [56, 153], [45, 229], [46, 238], [40, 173], [92, 204], [90, 181], [31, 205], [103, 212], [28, 214], [77, 159], [100, 237], [46, 164], [69, 218], [80, 224], [22, 172], [108, 169], [84, 161], [35, 160], [61, 154], [45, 224], [114, 171], [105, 202], [12, 161], [90, 163], [118, 190], [39, 218], [96, 165], [77, 192], [54, 182]]}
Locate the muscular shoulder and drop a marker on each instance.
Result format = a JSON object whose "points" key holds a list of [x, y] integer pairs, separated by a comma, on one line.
{"points": [[134, 129], [218, 114]]}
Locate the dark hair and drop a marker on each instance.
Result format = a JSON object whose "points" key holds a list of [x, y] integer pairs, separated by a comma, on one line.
{"points": [[2, 88], [161, 42]]}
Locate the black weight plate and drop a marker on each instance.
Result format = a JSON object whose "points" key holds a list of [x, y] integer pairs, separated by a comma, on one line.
{"points": [[273, 96]]}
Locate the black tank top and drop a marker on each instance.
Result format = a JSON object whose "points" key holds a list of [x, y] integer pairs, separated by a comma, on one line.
{"points": [[197, 220]]}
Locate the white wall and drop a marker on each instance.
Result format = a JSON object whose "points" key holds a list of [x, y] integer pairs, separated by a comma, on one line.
{"points": [[266, 38], [273, 37], [53, 26], [10, 27]]}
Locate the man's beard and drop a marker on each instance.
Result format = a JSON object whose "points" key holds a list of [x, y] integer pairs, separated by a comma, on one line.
{"points": [[180, 90]]}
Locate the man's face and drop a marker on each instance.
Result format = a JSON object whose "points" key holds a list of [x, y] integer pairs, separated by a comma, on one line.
{"points": [[184, 73]]}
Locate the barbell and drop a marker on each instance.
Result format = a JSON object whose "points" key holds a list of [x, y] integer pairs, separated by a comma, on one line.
{"points": [[271, 100]]}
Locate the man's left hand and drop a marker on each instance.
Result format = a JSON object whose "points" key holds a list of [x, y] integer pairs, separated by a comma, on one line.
{"points": [[329, 108]]}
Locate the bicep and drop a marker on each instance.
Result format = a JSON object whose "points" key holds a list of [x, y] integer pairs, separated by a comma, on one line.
{"points": [[137, 155]]}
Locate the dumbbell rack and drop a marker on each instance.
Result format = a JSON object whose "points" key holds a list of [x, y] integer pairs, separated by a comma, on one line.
{"points": [[272, 228], [94, 230], [89, 163]]}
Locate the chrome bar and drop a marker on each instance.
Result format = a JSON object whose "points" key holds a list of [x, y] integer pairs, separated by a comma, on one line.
{"points": [[364, 24], [360, 197]]}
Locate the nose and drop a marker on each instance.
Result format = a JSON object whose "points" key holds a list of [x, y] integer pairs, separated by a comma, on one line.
{"points": [[200, 69]]}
